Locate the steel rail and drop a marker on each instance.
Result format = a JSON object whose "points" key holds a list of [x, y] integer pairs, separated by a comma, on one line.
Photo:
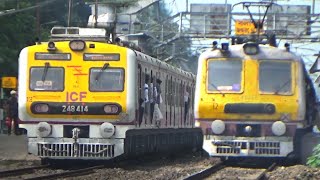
{"points": [[262, 175], [73, 173], [206, 172], [15, 172]]}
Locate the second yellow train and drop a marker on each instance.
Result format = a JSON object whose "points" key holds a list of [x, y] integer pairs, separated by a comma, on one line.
{"points": [[253, 100]]}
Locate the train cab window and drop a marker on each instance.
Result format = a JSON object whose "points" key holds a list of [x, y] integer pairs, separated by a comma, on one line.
{"points": [[111, 79], [46, 79], [275, 77], [224, 75]]}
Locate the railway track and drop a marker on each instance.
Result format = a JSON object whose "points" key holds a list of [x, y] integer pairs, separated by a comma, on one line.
{"points": [[212, 172], [73, 173], [32, 173], [20, 171]]}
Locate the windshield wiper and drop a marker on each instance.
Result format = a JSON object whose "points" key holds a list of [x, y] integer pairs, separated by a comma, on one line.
{"points": [[282, 86], [45, 71], [216, 88], [101, 70]]}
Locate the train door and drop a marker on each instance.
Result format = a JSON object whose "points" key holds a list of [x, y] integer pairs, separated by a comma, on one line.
{"points": [[140, 99], [170, 101], [181, 92], [166, 93]]}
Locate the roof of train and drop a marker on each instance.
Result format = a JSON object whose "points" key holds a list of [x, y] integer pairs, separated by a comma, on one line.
{"points": [[164, 65], [265, 52], [144, 57]]}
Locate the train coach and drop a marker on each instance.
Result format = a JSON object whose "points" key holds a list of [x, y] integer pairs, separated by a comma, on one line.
{"points": [[253, 100], [83, 97]]}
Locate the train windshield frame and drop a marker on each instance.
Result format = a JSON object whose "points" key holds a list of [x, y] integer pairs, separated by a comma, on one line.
{"points": [[276, 77], [225, 75], [44, 78], [106, 80]]}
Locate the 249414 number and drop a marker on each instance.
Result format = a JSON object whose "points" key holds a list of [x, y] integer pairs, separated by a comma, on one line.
{"points": [[72, 108]]}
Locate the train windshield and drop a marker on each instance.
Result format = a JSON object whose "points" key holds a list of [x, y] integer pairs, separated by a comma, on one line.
{"points": [[110, 79], [224, 75], [275, 77], [46, 79]]}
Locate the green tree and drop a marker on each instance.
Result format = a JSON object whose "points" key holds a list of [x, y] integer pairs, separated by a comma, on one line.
{"points": [[314, 159], [16, 31]]}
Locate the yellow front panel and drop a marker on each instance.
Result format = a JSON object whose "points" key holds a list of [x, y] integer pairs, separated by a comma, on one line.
{"points": [[76, 78], [212, 104]]}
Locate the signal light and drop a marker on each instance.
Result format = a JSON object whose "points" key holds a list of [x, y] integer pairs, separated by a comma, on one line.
{"points": [[51, 46], [214, 44], [225, 46], [287, 46]]}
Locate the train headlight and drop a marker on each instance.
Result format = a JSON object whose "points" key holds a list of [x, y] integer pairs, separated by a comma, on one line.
{"points": [[107, 130], [248, 129], [43, 129], [77, 45], [111, 109], [251, 48], [41, 108], [218, 126], [278, 128]]}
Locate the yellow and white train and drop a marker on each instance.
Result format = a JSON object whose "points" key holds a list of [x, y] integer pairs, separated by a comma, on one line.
{"points": [[253, 100], [82, 97]]}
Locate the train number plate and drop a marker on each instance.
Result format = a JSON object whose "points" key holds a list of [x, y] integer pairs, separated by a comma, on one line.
{"points": [[74, 108]]}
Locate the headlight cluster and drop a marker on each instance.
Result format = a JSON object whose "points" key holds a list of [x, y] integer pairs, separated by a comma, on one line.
{"points": [[77, 45], [251, 48], [111, 109], [41, 108]]}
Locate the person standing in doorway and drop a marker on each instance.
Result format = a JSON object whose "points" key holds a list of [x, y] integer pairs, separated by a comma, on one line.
{"points": [[151, 99], [158, 100], [186, 105], [146, 99]]}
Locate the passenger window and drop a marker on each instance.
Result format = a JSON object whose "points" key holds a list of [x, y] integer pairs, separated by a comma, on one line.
{"points": [[46, 79], [111, 79]]}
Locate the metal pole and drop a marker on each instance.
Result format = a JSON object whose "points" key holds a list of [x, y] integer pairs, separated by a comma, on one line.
{"points": [[313, 4], [18, 6], [96, 14], [69, 13], [187, 5], [38, 20]]}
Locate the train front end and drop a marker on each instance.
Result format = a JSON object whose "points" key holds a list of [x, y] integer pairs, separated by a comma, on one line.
{"points": [[74, 98], [250, 101]]}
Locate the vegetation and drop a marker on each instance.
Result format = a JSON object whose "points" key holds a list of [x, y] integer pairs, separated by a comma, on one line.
{"points": [[314, 159], [26, 24], [21, 28]]}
